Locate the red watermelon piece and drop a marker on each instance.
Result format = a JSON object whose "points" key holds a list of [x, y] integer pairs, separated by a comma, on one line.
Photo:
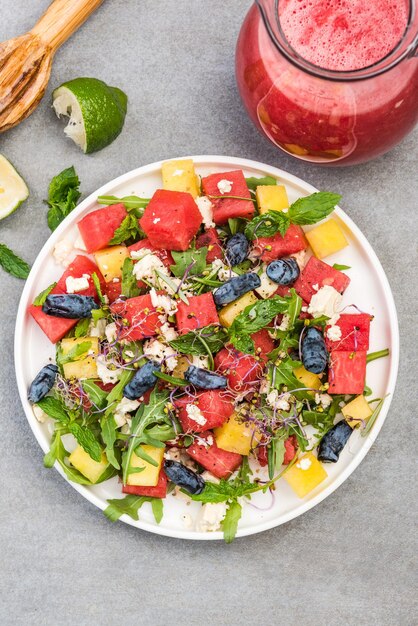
{"points": [[347, 372], [227, 208], [98, 227], [201, 311], [321, 274], [171, 220], [210, 239], [80, 266], [240, 369], [142, 318], [113, 291], [276, 247], [164, 255], [220, 463], [355, 331], [159, 491], [263, 344], [215, 407]]}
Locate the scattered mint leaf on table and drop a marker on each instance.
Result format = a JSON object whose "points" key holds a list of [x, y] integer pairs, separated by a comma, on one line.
{"points": [[63, 195], [13, 264]]}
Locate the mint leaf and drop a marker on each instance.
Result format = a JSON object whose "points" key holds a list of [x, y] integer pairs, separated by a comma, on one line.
{"points": [[86, 440], [230, 521], [253, 318], [79, 351], [129, 287], [200, 342], [82, 327], [193, 260], [128, 230], [267, 225], [63, 195], [130, 505], [54, 408], [253, 182], [225, 490], [313, 208], [98, 287], [13, 264], [41, 297]]}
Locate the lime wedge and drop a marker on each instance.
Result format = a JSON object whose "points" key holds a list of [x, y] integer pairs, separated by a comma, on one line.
{"points": [[13, 189], [96, 111]]}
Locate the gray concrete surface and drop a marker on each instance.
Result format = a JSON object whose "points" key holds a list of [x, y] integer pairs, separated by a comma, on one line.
{"points": [[349, 561]]}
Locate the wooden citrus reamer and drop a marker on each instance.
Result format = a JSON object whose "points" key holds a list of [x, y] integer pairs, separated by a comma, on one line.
{"points": [[25, 61]]}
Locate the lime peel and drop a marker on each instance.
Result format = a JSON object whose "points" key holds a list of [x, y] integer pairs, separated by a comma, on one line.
{"points": [[13, 189]]}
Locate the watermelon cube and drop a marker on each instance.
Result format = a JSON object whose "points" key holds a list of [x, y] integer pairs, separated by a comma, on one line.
{"points": [[240, 369], [201, 311], [220, 463], [263, 344], [275, 247], [347, 372], [159, 491], [113, 291], [171, 220], [98, 227], [214, 406], [142, 319], [164, 255], [210, 239], [56, 328], [319, 274], [355, 330], [227, 208]]}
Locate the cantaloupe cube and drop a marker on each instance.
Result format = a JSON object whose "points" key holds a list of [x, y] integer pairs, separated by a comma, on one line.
{"points": [[326, 239], [183, 363], [85, 367], [306, 474], [110, 261], [149, 476], [91, 469], [230, 311], [180, 176], [236, 436], [271, 198], [356, 411], [308, 379]]}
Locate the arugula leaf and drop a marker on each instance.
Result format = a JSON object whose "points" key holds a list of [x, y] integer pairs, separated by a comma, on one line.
{"points": [[199, 342], [177, 382], [86, 440], [253, 182], [108, 430], [230, 521], [63, 195], [253, 318], [56, 451], [373, 417], [167, 280], [267, 225], [236, 225], [372, 356], [294, 308], [157, 506], [336, 266], [130, 202], [98, 287], [275, 454], [96, 395], [283, 375], [76, 353], [129, 287], [13, 264], [41, 297], [129, 229], [130, 505], [311, 209], [82, 327], [185, 259], [54, 408], [225, 490]]}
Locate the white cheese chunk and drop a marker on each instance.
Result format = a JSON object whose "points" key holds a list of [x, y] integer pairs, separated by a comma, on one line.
{"points": [[123, 408], [160, 352], [225, 186], [105, 374], [334, 333], [205, 207], [211, 516], [195, 414], [326, 301]]}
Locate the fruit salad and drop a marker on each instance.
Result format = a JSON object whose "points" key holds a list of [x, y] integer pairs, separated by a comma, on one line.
{"points": [[202, 349]]}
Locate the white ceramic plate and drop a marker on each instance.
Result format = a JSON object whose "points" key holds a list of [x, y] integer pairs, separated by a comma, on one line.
{"points": [[369, 290]]}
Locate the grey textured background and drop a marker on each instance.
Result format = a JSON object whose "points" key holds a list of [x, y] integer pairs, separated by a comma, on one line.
{"points": [[348, 561]]}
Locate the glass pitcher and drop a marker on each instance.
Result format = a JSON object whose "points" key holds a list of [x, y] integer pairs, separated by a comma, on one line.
{"points": [[321, 115]]}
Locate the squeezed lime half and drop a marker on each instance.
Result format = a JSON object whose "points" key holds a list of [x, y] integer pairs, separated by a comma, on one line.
{"points": [[13, 189], [96, 111]]}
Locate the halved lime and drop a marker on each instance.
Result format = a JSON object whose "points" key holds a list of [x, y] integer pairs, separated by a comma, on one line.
{"points": [[13, 189], [96, 111]]}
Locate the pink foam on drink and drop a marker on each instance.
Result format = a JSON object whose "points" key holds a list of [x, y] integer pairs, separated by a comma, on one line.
{"points": [[343, 34]]}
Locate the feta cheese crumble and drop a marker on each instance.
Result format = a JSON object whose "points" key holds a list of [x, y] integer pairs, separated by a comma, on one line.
{"points": [[124, 407], [334, 333], [163, 302], [168, 332], [105, 374], [97, 329], [74, 285], [146, 265], [284, 324], [326, 301], [224, 273], [211, 516], [323, 399], [161, 353], [111, 332], [304, 464], [39, 413], [224, 186], [195, 414], [156, 220], [206, 210], [280, 404]]}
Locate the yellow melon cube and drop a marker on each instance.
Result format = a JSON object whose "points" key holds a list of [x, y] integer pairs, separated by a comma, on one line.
{"points": [[91, 469], [308, 379], [326, 239], [236, 436], [180, 176], [306, 474], [183, 363], [84, 367], [356, 411], [110, 261], [271, 198], [149, 476], [230, 311]]}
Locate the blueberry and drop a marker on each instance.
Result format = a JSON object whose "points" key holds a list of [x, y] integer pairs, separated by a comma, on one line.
{"points": [[184, 477], [314, 352], [236, 249], [235, 288], [283, 271], [204, 379], [143, 380], [71, 306], [333, 442], [42, 383]]}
